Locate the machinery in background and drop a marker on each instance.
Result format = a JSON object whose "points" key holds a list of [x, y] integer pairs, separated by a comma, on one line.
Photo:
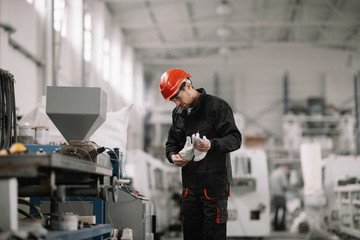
{"points": [[75, 182], [342, 189], [334, 133], [161, 182], [249, 202]]}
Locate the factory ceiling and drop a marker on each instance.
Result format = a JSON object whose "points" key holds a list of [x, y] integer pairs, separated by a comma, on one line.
{"points": [[176, 30]]}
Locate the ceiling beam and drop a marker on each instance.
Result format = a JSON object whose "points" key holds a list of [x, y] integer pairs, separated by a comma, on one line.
{"points": [[288, 31], [190, 15], [256, 24], [215, 59], [334, 11], [154, 21], [233, 44]]}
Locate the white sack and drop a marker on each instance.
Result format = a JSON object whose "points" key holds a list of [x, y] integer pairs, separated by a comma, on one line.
{"points": [[311, 169], [38, 117], [113, 132]]}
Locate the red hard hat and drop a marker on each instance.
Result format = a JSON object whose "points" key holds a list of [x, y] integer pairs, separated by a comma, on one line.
{"points": [[170, 82]]}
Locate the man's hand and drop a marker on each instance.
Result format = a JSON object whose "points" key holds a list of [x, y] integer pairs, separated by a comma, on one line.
{"points": [[203, 146], [187, 153], [178, 160]]}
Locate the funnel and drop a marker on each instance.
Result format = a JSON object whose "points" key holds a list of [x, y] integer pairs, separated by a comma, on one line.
{"points": [[77, 112]]}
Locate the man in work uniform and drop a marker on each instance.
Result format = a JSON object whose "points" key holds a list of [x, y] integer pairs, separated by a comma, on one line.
{"points": [[279, 184], [202, 134]]}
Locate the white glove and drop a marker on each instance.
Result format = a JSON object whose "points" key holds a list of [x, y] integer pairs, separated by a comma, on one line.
{"points": [[187, 153], [199, 155]]}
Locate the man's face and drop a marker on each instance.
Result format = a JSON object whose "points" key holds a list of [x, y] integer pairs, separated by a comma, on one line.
{"points": [[183, 98]]}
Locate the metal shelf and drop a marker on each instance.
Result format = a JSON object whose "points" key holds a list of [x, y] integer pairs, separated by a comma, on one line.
{"points": [[348, 188], [32, 166]]}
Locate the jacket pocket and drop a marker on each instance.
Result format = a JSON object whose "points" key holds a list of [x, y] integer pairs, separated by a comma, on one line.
{"points": [[221, 216], [204, 128], [185, 192], [209, 194]]}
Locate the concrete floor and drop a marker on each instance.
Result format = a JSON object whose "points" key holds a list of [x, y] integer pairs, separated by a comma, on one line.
{"points": [[273, 236]]}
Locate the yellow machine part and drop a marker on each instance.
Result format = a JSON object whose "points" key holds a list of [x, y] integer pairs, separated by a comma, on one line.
{"points": [[17, 147]]}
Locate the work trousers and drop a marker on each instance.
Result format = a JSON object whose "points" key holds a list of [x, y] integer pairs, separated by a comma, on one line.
{"points": [[205, 213], [279, 206]]}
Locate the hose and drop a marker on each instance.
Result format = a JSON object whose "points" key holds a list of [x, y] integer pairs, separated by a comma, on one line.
{"points": [[36, 208], [8, 132]]}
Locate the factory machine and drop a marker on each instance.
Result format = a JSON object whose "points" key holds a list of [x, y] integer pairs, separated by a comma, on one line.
{"points": [[249, 202], [342, 190], [69, 186]]}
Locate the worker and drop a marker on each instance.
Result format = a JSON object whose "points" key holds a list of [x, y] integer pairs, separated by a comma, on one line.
{"points": [[202, 134], [279, 184]]}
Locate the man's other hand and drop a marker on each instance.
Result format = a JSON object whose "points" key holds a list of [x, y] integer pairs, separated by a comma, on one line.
{"points": [[178, 160]]}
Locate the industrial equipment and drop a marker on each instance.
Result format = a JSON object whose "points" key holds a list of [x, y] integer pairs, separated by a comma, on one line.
{"points": [[342, 189], [159, 181], [73, 182], [249, 201], [8, 109]]}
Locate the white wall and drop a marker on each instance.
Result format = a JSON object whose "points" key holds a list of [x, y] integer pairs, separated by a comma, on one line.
{"points": [[68, 50], [28, 76]]}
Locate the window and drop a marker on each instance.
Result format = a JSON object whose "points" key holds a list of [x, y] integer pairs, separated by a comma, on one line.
{"points": [[127, 78], [87, 36], [106, 60], [60, 17]]}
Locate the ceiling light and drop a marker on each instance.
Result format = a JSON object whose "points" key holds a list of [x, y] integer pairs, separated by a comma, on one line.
{"points": [[223, 32], [223, 9]]}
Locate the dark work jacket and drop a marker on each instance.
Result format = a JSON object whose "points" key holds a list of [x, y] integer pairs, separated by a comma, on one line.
{"points": [[213, 118]]}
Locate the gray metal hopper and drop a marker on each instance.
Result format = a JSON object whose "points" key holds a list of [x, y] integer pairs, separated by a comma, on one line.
{"points": [[77, 112]]}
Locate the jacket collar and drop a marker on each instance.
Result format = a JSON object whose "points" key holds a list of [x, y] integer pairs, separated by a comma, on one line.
{"points": [[201, 99]]}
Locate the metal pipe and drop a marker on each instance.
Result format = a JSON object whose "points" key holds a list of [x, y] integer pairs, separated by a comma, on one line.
{"points": [[26, 52], [10, 29], [82, 192], [286, 93], [357, 141], [45, 191], [54, 72], [34, 191], [83, 80]]}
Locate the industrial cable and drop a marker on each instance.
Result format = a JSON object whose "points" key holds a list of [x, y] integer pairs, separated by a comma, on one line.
{"points": [[123, 186], [84, 206], [108, 214], [117, 158], [129, 191], [22, 212], [36, 208], [69, 202], [8, 133], [112, 150]]}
